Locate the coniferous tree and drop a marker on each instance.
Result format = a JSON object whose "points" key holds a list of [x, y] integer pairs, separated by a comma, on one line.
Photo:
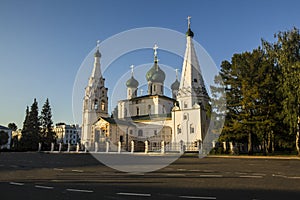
{"points": [[30, 132], [47, 134]]}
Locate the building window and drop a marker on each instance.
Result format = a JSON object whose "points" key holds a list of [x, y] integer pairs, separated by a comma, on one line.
{"points": [[130, 132], [185, 117], [140, 133], [192, 129], [185, 105], [154, 88], [155, 132], [195, 80], [149, 109], [137, 110], [162, 88], [163, 109], [178, 129]]}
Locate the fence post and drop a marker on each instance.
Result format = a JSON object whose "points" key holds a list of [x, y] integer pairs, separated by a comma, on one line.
{"points": [[96, 147], [69, 145], [59, 147], [146, 146], [163, 147], [132, 146], [107, 147], [119, 147], [40, 147], [52, 147], [224, 146], [77, 147]]}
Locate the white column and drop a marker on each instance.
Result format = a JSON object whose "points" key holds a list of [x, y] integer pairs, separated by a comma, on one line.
{"points": [[60, 146], [132, 146]]}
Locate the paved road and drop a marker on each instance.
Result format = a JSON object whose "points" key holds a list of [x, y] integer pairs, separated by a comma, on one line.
{"points": [[80, 176]]}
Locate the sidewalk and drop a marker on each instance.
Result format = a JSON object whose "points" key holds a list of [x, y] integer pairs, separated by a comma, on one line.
{"points": [[255, 157]]}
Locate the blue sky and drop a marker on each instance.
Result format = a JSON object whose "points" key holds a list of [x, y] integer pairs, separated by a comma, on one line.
{"points": [[44, 42]]}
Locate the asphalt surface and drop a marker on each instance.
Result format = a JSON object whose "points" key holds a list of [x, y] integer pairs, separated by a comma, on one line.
{"points": [[81, 176]]}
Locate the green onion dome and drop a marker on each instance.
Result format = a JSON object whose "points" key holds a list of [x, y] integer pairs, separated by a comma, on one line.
{"points": [[189, 33], [175, 85], [97, 53], [155, 74], [132, 83]]}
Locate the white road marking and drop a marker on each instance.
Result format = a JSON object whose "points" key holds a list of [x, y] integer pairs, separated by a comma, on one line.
{"points": [[77, 190], [294, 177], [279, 175], [15, 183], [196, 197], [43, 187], [211, 176], [134, 194], [250, 176], [77, 170], [58, 169]]}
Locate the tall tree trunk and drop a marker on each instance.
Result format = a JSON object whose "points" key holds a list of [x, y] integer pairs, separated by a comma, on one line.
{"points": [[297, 136], [270, 143], [250, 146]]}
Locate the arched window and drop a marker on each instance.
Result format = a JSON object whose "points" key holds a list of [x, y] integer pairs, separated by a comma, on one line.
{"points": [[96, 104], [192, 128], [137, 110], [125, 112]]}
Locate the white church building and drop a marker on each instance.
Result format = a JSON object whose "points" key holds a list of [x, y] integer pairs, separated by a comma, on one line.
{"points": [[154, 117]]}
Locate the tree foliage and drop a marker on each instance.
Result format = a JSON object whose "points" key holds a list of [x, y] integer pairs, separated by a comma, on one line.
{"points": [[263, 95], [12, 126]]}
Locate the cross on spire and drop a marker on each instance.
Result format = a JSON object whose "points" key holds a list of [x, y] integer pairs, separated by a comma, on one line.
{"points": [[131, 66], [189, 21], [98, 44], [155, 52], [176, 71]]}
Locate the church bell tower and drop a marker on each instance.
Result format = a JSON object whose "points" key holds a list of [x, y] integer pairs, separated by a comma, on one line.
{"points": [[95, 102]]}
